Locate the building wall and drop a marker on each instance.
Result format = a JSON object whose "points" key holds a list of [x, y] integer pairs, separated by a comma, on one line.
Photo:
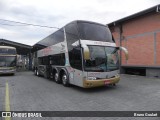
{"points": [[142, 24], [141, 36], [158, 48]]}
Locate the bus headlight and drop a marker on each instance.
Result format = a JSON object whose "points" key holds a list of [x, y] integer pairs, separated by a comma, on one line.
{"points": [[92, 78]]}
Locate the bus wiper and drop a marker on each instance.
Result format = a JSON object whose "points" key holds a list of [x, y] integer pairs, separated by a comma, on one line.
{"points": [[115, 50]]}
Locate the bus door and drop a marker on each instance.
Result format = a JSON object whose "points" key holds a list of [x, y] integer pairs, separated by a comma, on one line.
{"points": [[78, 71], [75, 59]]}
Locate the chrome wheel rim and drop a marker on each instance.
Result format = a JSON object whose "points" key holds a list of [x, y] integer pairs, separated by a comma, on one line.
{"points": [[64, 79], [37, 72], [56, 77]]}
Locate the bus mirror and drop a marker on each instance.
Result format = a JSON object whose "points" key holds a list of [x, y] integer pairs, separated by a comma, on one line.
{"points": [[86, 52], [125, 51]]}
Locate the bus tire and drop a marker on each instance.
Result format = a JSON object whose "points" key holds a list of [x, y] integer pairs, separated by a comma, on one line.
{"points": [[65, 80]]}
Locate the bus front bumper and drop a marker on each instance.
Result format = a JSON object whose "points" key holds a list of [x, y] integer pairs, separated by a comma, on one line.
{"points": [[100, 82], [7, 71]]}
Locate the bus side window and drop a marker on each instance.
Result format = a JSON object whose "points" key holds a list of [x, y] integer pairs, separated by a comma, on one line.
{"points": [[71, 35], [75, 58], [58, 59]]}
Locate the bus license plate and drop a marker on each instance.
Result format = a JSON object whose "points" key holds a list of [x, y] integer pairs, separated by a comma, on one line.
{"points": [[106, 82]]}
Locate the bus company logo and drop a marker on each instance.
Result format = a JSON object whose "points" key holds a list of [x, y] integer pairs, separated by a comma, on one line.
{"points": [[98, 43], [103, 43], [63, 46], [94, 74], [46, 50]]}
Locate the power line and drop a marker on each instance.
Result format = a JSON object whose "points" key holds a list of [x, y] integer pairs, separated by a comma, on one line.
{"points": [[28, 24], [10, 24]]}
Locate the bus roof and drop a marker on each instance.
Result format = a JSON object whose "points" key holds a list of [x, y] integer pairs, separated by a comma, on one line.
{"points": [[85, 21], [41, 44], [75, 21]]}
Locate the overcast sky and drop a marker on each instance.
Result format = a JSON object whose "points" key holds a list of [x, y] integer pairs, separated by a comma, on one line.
{"points": [[57, 13]]}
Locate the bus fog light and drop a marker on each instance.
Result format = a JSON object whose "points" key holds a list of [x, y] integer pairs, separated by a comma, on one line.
{"points": [[92, 78]]}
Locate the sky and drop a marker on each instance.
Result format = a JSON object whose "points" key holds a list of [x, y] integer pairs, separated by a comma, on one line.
{"points": [[57, 13]]}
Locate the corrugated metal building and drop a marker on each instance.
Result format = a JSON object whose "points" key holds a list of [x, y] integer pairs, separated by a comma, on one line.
{"points": [[140, 34]]}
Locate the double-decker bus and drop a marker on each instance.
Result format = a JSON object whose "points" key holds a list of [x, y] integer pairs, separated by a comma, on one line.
{"points": [[8, 60], [82, 53]]}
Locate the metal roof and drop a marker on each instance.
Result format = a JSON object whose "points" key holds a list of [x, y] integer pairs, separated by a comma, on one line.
{"points": [[21, 48], [9, 47], [14, 43], [152, 9]]}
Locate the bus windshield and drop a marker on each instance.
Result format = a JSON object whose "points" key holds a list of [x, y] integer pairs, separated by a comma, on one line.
{"points": [[7, 61], [7, 51], [102, 59], [97, 32]]}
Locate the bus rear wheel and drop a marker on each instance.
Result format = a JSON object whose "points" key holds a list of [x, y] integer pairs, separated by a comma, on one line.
{"points": [[65, 81]]}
